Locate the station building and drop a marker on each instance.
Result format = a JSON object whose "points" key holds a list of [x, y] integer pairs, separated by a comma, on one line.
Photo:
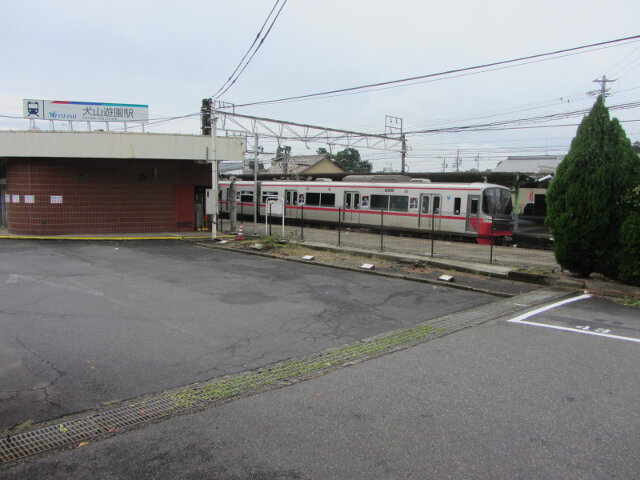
{"points": [[106, 182]]}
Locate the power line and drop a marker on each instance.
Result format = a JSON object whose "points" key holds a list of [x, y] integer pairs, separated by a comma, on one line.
{"points": [[439, 74], [249, 50], [519, 121], [222, 90]]}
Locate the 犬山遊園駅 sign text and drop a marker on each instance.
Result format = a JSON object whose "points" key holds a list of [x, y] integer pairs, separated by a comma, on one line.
{"points": [[84, 111]]}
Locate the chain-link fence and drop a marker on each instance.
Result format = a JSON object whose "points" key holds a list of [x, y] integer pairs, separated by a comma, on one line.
{"points": [[436, 236]]}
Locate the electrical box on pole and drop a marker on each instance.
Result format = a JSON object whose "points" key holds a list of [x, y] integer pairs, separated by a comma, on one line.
{"points": [[205, 116]]}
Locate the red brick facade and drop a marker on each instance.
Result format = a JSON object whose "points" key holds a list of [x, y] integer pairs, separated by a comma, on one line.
{"points": [[98, 195]]}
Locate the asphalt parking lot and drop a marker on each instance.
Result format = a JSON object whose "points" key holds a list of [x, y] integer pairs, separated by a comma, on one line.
{"points": [[91, 323], [547, 394]]}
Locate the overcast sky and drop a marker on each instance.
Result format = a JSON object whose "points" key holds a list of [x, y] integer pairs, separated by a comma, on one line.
{"points": [[169, 55]]}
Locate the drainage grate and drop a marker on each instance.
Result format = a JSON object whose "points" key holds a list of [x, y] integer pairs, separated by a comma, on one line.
{"points": [[221, 390]]}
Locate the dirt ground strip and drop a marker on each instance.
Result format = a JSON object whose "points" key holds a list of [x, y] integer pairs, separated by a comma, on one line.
{"points": [[404, 269]]}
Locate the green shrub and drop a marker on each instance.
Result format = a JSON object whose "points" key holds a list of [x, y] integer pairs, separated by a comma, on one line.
{"points": [[585, 211]]}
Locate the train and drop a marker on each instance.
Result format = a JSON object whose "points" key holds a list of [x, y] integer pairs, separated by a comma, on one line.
{"points": [[480, 211]]}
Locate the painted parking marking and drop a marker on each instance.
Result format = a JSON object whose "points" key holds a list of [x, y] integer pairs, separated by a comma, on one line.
{"points": [[586, 329]]}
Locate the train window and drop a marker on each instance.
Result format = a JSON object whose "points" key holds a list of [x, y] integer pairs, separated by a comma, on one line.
{"points": [[474, 206], [507, 206], [457, 202], [246, 196], [496, 201], [436, 205], [291, 197], [425, 205], [313, 198], [380, 202], [328, 199], [489, 201], [398, 203], [351, 200], [266, 195]]}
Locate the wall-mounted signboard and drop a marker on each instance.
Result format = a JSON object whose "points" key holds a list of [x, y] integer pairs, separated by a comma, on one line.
{"points": [[84, 111]]}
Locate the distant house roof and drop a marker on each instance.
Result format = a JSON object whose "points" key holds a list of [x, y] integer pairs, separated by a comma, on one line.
{"points": [[304, 165], [535, 164]]}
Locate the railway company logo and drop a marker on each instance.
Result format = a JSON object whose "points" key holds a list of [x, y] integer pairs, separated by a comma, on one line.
{"points": [[62, 116]]}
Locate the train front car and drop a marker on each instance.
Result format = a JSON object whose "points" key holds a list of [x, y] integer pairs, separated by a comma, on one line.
{"points": [[496, 224]]}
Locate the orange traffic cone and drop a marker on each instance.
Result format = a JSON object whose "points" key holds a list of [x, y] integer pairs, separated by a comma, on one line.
{"points": [[240, 235]]}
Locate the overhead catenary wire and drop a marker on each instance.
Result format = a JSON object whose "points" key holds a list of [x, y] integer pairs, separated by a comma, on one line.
{"points": [[444, 73], [232, 80], [255, 40], [613, 72], [520, 121]]}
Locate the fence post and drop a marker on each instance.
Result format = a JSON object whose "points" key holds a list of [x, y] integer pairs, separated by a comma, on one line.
{"points": [[270, 219], [491, 243], [301, 222], [433, 232], [382, 230], [339, 223]]}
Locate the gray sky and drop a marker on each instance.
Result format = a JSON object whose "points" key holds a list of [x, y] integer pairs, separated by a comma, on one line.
{"points": [[170, 55]]}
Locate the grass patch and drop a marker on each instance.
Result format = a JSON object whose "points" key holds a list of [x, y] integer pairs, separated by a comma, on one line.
{"points": [[293, 370], [631, 301]]}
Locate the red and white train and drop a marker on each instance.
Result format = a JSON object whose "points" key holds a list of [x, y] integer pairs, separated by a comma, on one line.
{"points": [[479, 210]]}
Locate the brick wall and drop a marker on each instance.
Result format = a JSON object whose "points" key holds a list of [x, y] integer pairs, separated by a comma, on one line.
{"points": [[98, 196]]}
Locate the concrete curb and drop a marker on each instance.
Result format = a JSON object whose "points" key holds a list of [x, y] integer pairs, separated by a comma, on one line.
{"points": [[360, 270], [85, 238], [496, 271], [599, 287]]}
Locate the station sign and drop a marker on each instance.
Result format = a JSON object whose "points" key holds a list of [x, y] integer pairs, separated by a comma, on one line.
{"points": [[83, 111]]}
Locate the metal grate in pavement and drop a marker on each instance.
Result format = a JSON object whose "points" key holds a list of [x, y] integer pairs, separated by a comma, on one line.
{"points": [[221, 390]]}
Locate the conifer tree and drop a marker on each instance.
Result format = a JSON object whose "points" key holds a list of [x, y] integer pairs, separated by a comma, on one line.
{"points": [[585, 208], [629, 265]]}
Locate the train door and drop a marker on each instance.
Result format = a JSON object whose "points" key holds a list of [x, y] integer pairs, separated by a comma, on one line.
{"points": [[429, 212], [291, 200], [223, 196], [473, 213], [424, 211], [351, 211], [436, 211]]}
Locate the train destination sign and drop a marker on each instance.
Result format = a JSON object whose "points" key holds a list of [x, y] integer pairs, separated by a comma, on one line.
{"points": [[84, 111]]}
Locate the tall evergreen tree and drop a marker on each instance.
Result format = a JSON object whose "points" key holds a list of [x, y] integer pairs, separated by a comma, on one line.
{"points": [[629, 266], [585, 211]]}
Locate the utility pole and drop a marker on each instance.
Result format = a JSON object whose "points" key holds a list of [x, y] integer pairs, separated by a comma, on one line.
{"points": [[285, 162], [214, 172], [444, 164], [256, 190], [478, 162], [393, 125], [458, 161], [603, 86], [404, 153]]}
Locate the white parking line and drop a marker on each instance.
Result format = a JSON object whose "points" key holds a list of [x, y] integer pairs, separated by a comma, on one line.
{"points": [[522, 320]]}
